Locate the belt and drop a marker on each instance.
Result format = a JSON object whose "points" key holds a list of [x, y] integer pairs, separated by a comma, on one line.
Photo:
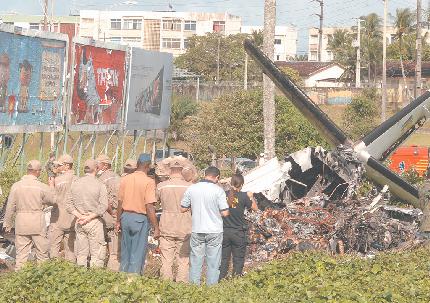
{"points": [[133, 212]]}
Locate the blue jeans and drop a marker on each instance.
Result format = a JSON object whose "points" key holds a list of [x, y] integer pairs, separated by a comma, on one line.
{"points": [[209, 245], [134, 241]]}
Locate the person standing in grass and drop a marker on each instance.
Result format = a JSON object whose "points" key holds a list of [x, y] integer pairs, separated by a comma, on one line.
{"points": [[235, 227]]}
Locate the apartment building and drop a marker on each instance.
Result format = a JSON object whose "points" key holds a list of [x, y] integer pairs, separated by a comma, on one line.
{"points": [[158, 31], [326, 54], [285, 40]]}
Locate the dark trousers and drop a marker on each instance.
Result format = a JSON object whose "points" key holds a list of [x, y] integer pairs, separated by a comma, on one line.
{"points": [[233, 244]]}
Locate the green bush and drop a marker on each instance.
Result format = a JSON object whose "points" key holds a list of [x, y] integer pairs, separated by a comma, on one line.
{"points": [[302, 277]]}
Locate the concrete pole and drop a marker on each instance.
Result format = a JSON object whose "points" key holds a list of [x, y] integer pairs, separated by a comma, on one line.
{"points": [[245, 75], [384, 65], [321, 15], [358, 65], [418, 84], [217, 62], [268, 86]]}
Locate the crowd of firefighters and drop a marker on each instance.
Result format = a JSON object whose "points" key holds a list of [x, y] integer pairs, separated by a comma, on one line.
{"points": [[100, 219]]}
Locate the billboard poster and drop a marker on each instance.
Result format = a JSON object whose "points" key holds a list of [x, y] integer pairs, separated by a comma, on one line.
{"points": [[150, 90], [99, 77], [31, 81]]}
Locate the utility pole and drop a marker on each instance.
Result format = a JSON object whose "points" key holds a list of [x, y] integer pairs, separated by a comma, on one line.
{"points": [[417, 91], [320, 30], [45, 15], [245, 76], [268, 86], [384, 65], [217, 62], [358, 65]]}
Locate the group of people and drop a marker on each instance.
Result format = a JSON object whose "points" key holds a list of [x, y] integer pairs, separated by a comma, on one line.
{"points": [[102, 219]]}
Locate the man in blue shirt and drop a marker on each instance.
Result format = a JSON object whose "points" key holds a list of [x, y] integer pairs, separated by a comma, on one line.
{"points": [[208, 204]]}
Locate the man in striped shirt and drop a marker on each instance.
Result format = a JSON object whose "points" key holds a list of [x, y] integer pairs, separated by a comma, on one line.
{"points": [[175, 226]]}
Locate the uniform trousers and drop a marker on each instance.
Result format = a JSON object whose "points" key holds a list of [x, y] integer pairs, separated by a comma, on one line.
{"points": [[175, 249], [113, 244], [233, 244], [57, 236], [90, 241], [24, 245]]}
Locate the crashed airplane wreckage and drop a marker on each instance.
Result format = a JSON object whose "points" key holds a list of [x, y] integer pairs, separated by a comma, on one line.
{"points": [[308, 201]]}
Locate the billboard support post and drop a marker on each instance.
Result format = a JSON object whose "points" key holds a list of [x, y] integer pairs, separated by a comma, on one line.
{"points": [[165, 143], [41, 147], [78, 167]]}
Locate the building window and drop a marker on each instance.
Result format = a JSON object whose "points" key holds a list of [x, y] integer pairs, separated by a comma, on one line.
{"points": [[277, 57], [219, 26], [35, 26], [278, 41], [172, 43], [186, 43], [115, 23], [172, 25], [313, 56], [132, 24], [132, 39], [115, 39], [87, 20], [190, 25]]}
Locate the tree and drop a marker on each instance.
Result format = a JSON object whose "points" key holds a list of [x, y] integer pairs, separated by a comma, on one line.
{"points": [[182, 109], [201, 57], [343, 51], [404, 25], [371, 41], [361, 115], [233, 124]]}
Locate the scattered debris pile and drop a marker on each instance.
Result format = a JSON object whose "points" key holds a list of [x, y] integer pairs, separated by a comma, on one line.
{"points": [[308, 203]]}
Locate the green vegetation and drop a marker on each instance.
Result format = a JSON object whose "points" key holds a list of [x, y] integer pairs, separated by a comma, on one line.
{"points": [[233, 124], [302, 277]]}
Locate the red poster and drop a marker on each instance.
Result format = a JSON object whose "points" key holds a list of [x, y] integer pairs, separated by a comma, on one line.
{"points": [[98, 86]]}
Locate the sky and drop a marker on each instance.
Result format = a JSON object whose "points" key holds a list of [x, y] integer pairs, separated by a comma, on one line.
{"points": [[299, 13]]}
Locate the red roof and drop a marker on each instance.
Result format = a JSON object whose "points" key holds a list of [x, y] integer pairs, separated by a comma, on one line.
{"points": [[307, 68]]}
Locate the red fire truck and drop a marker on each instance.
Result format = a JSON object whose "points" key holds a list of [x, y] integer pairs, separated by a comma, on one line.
{"points": [[407, 157]]}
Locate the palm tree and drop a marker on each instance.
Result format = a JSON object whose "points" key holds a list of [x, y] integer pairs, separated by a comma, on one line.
{"points": [[372, 43], [343, 51], [404, 22]]}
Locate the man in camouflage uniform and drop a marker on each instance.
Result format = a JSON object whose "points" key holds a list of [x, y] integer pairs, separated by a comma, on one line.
{"points": [[61, 229], [111, 181], [26, 201]]}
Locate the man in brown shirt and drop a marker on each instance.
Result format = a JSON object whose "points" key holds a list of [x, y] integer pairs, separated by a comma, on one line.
{"points": [[27, 199], [61, 229], [111, 180], [87, 201], [175, 226], [135, 211]]}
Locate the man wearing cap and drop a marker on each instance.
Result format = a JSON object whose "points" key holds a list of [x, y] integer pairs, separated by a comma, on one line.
{"points": [[111, 181], [175, 226], [26, 201], [87, 201], [130, 166], [135, 210], [61, 229]]}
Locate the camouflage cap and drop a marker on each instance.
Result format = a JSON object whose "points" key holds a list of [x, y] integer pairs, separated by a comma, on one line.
{"points": [[90, 164], [176, 164], [130, 163], [65, 159]]}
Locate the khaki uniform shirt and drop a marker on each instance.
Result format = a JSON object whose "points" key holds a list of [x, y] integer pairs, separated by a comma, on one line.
{"points": [[135, 191], [111, 181], [59, 214], [87, 194], [27, 199], [173, 223]]}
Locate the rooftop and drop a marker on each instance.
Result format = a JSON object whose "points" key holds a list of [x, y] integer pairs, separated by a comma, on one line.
{"points": [[307, 68]]}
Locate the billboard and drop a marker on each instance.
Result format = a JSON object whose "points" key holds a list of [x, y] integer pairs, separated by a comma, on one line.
{"points": [[150, 90], [98, 86], [32, 76]]}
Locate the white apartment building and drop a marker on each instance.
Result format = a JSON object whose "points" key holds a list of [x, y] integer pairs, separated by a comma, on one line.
{"points": [[285, 40], [326, 55], [158, 31]]}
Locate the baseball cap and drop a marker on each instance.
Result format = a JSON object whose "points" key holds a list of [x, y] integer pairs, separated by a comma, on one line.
{"points": [[130, 163], [90, 164], [34, 165], [65, 159], [104, 159], [144, 158]]}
